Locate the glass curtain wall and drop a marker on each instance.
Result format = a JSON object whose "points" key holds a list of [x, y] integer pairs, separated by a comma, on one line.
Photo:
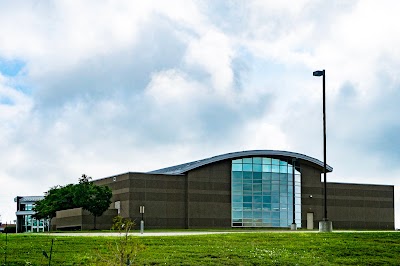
{"points": [[262, 192]]}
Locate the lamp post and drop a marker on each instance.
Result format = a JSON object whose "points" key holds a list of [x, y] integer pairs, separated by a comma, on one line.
{"points": [[293, 226], [325, 225]]}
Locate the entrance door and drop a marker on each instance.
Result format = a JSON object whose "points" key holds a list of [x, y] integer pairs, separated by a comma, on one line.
{"points": [[310, 220]]}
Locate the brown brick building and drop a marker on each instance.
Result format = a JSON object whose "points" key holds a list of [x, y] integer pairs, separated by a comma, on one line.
{"points": [[261, 188]]}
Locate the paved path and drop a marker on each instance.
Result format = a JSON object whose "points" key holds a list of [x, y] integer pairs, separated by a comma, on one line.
{"points": [[188, 233]]}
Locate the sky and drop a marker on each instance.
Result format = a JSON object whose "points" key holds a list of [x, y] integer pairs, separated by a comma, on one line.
{"points": [[107, 87]]}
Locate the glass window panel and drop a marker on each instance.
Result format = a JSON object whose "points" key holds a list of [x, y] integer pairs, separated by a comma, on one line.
{"points": [[257, 160], [247, 186], [275, 198], [283, 163], [236, 215], [275, 188], [257, 187], [275, 176], [247, 167], [290, 168], [247, 192], [257, 181], [297, 178], [267, 214], [257, 199], [238, 193], [275, 168], [290, 203], [283, 188], [290, 177], [267, 168], [247, 214], [267, 199], [237, 198], [297, 189], [283, 200], [237, 161], [283, 169], [266, 160], [275, 215], [257, 206], [237, 167], [290, 189], [237, 206], [248, 160], [237, 175], [257, 214], [266, 176], [247, 199], [247, 206], [283, 177], [247, 175], [275, 161], [257, 168], [284, 223], [266, 206], [237, 186], [237, 220], [297, 201], [275, 206], [257, 176], [266, 187]]}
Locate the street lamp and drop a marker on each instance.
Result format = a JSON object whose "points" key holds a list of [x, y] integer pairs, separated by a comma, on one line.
{"points": [[293, 226], [325, 225]]}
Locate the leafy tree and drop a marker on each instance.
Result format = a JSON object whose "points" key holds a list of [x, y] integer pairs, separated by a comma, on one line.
{"points": [[56, 199], [85, 194], [98, 201]]}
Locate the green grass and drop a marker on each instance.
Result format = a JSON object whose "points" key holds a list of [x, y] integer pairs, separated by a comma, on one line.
{"points": [[251, 248]]}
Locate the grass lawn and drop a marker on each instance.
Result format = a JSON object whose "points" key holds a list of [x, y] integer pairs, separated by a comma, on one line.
{"points": [[251, 248]]}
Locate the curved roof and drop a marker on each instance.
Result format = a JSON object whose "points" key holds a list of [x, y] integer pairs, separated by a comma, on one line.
{"points": [[183, 168]]}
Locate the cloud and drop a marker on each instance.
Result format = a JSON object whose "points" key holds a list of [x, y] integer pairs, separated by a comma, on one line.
{"points": [[104, 87]]}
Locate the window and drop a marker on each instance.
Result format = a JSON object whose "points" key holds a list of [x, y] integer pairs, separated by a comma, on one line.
{"points": [[262, 192]]}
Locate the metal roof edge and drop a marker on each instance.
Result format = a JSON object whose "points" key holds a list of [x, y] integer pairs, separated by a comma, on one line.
{"points": [[182, 168]]}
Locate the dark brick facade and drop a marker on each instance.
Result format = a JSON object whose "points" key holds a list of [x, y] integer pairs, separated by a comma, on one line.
{"points": [[201, 198]]}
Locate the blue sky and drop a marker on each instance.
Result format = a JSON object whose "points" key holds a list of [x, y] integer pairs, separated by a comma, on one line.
{"points": [[106, 87]]}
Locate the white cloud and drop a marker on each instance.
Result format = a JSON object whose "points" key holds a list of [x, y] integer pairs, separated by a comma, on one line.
{"points": [[110, 87]]}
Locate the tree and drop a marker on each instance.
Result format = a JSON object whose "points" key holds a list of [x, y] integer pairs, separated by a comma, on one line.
{"points": [[85, 194], [98, 201], [56, 199]]}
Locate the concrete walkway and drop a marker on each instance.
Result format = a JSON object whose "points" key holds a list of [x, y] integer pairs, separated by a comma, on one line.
{"points": [[191, 233]]}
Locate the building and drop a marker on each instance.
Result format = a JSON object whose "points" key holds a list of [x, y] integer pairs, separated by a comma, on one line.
{"points": [[259, 188], [25, 220]]}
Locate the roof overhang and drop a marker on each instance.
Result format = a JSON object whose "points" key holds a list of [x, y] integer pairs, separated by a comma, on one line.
{"points": [[183, 168]]}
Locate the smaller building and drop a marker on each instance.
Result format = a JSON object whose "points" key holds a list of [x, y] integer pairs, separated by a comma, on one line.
{"points": [[25, 220]]}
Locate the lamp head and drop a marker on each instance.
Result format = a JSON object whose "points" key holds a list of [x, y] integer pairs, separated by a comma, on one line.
{"points": [[318, 73]]}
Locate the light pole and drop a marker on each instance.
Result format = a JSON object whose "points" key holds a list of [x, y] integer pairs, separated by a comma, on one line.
{"points": [[293, 226], [325, 225]]}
